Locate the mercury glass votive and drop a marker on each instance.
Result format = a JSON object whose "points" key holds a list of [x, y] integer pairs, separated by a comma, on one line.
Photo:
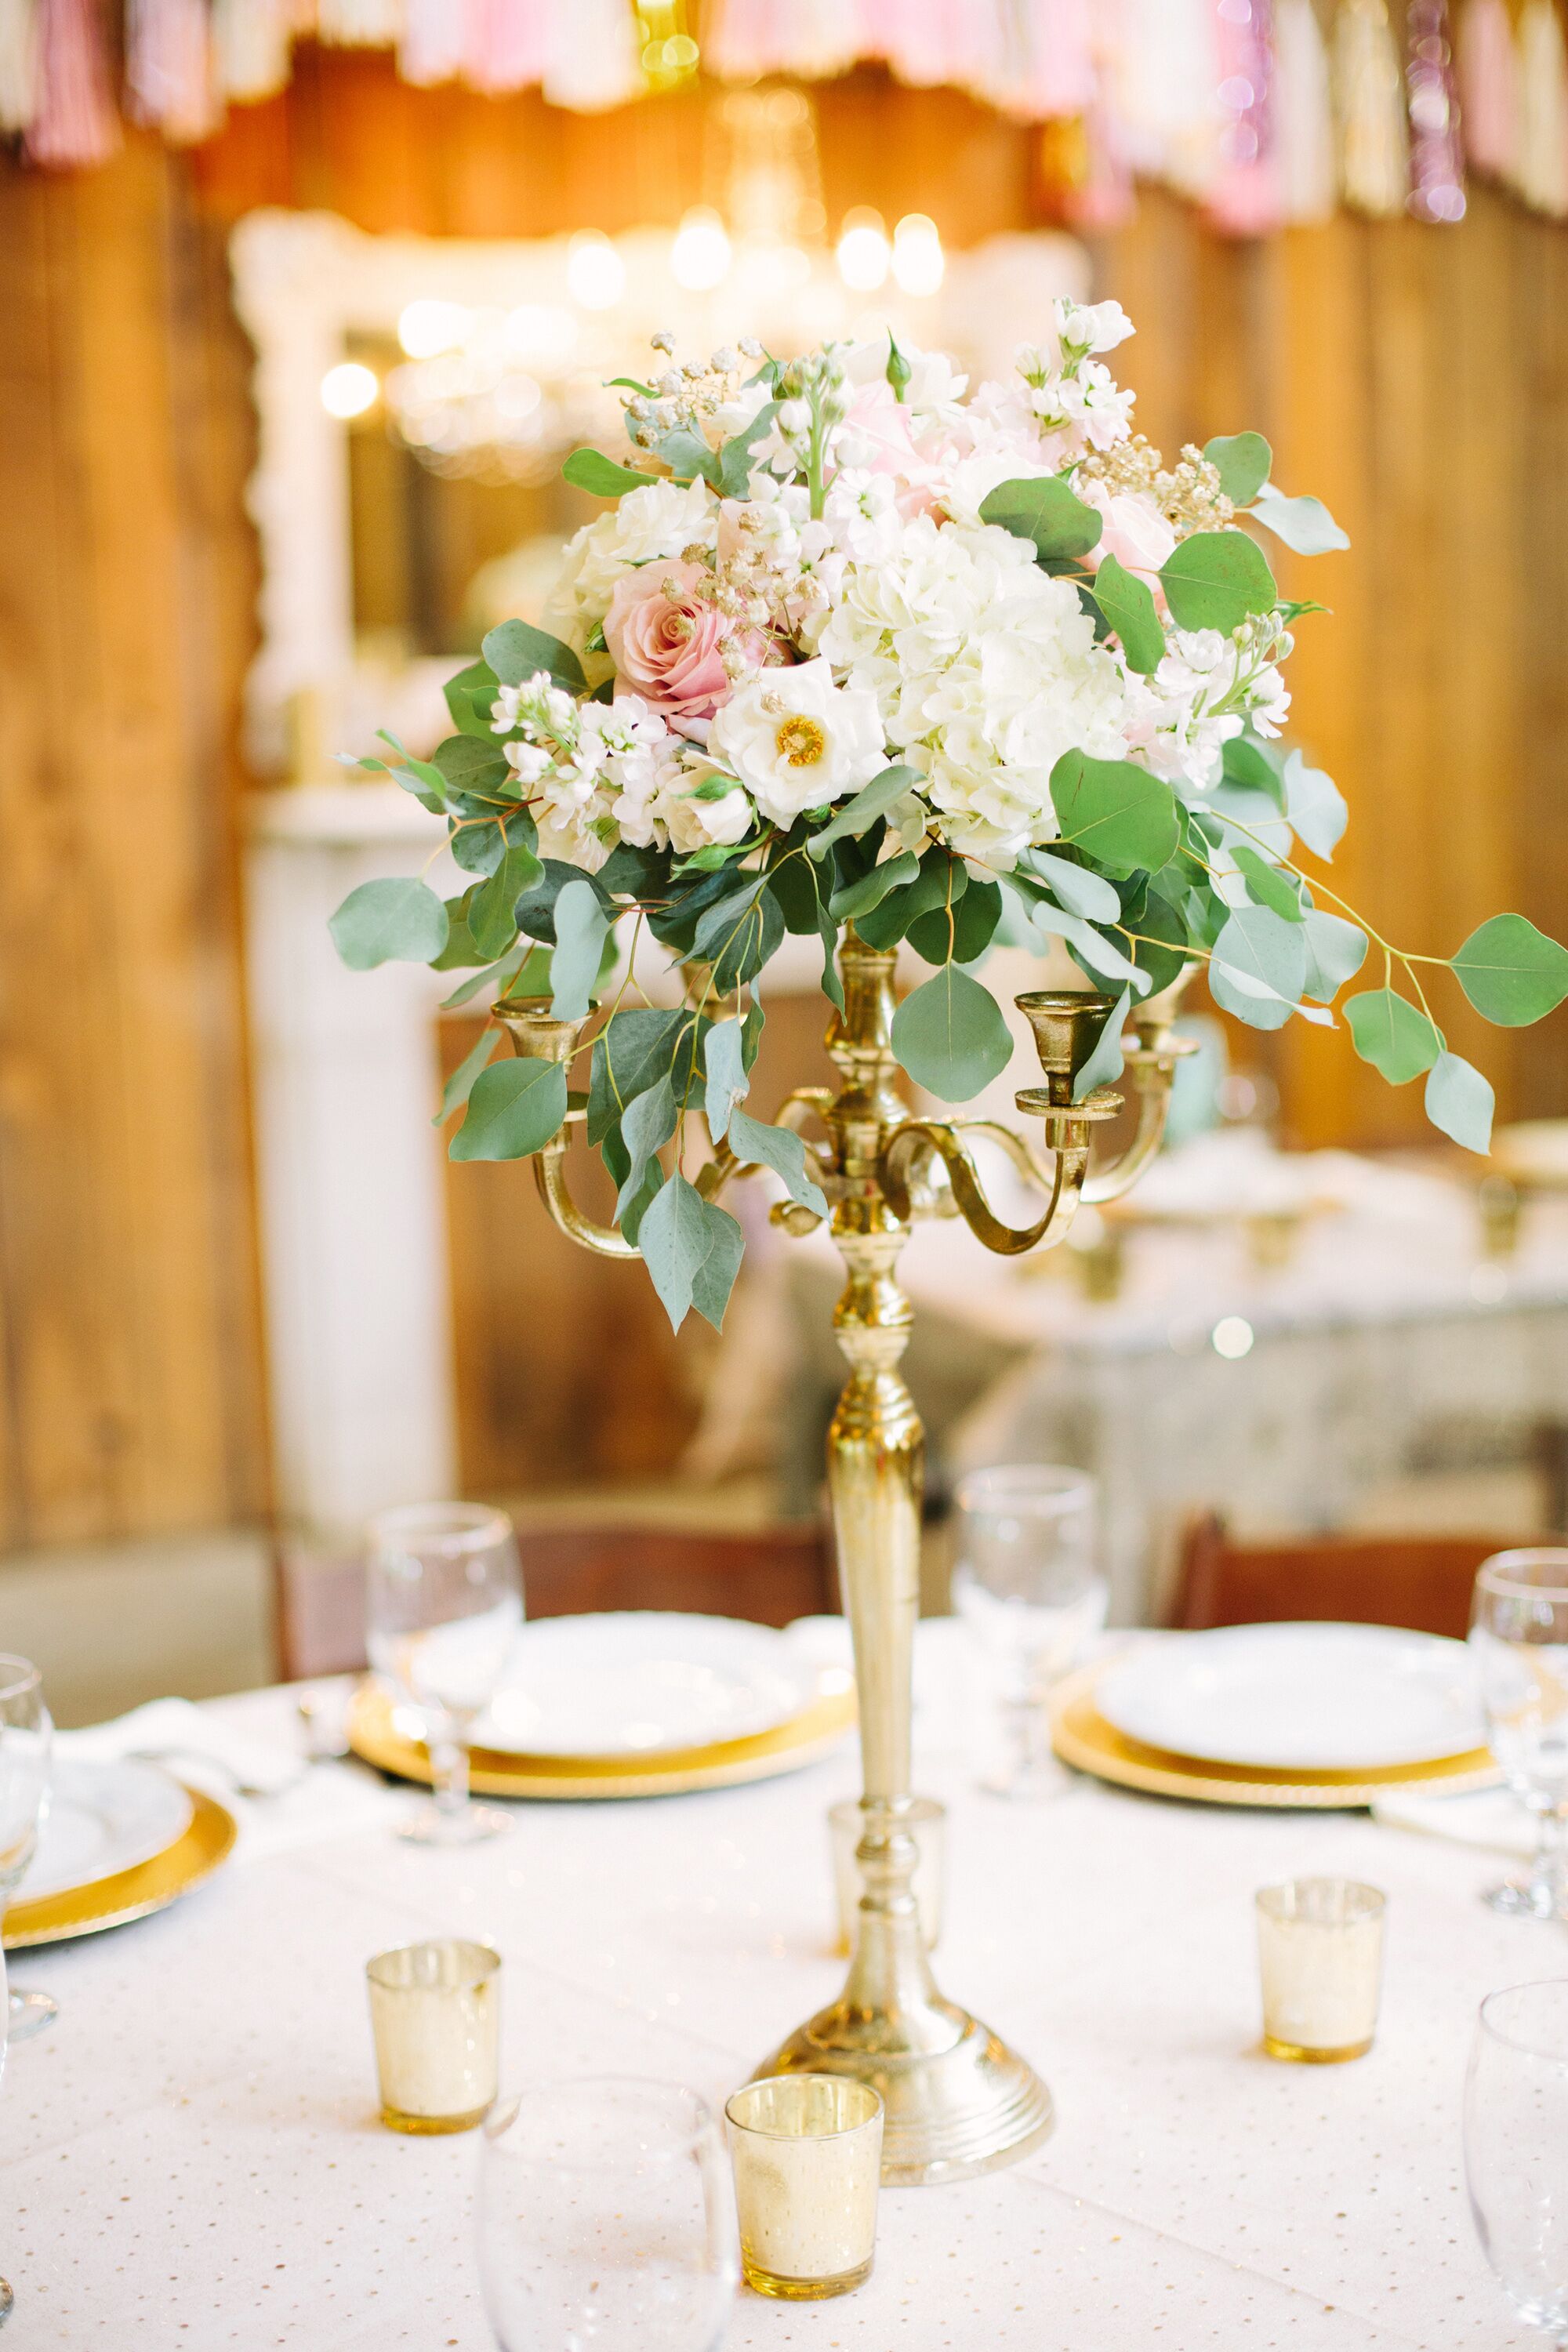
{"points": [[435, 2011], [1320, 1950], [926, 1822], [808, 2153]]}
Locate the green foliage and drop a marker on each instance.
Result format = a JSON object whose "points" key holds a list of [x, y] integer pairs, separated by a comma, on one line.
{"points": [[1124, 818], [739, 934], [517, 652], [1215, 579], [514, 1108], [1315, 806], [1242, 460], [1077, 887], [757, 1144], [692, 1250], [1461, 1102], [459, 1085], [963, 935], [1104, 1064], [393, 921], [1249, 762], [632, 1052], [1267, 885], [735, 456], [469, 698], [1394, 1036], [1045, 510], [582, 925], [1336, 951], [868, 890], [950, 1035], [591, 470], [1160, 949], [492, 923], [1258, 966], [724, 1062], [1304, 524], [469, 765], [1512, 973], [649, 1123], [872, 801], [1128, 604]]}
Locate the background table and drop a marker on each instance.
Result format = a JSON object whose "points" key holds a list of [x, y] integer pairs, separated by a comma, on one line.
{"points": [[190, 2157]]}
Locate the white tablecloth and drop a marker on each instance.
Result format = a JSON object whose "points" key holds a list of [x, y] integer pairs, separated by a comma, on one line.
{"points": [[190, 2157]]}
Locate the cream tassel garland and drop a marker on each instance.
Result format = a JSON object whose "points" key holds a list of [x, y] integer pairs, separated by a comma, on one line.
{"points": [[360, 23], [435, 43], [18, 63], [251, 44], [1369, 90], [1488, 87], [595, 56], [1303, 114], [169, 68], [1540, 171]]}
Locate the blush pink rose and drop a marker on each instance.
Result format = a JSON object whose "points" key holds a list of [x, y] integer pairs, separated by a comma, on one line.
{"points": [[665, 641], [1135, 531], [878, 438]]}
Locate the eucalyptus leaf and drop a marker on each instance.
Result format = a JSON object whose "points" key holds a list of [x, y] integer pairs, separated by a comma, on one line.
{"points": [[1267, 885], [1336, 951], [582, 926], [689, 457], [1103, 957], [1045, 510], [492, 920], [591, 470], [757, 1144], [1124, 818], [1242, 460], [460, 1083], [872, 801], [517, 652], [962, 934], [723, 1059], [859, 896], [502, 972], [469, 698], [942, 879], [514, 1108], [1460, 1101], [1105, 1064], [1076, 887], [649, 1122], [1128, 604], [950, 1035], [1394, 1036], [693, 1249], [1215, 579], [736, 454], [739, 934], [470, 764], [397, 920], [1512, 973], [632, 1052], [1304, 524], [1315, 806], [1258, 967], [1247, 760]]}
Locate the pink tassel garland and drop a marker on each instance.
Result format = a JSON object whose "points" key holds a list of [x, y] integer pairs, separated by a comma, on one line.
{"points": [[1437, 167], [1245, 197], [169, 69], [1488, 87], [75, 123]]}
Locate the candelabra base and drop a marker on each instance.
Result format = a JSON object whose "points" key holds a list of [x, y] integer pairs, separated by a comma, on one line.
{"points": [[958, 2102]]}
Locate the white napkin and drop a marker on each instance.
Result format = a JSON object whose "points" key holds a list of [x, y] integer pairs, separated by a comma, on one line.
{"points": [[1491, 1818], [302, 1803]]}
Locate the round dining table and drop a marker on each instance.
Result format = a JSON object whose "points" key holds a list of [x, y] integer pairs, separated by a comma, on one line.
{"points": [[193, 2160]]}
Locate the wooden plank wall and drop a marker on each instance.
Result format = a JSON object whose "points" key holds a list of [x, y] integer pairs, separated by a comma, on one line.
{"points": [[1417, 379]]}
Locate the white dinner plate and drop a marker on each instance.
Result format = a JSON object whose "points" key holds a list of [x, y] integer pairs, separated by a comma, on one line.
{"points": [[1304, 1699], [643, 1682], [102, 1818]]}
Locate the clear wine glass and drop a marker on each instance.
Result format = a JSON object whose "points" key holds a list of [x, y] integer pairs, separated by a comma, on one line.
{"points": [[27, 1735], [442, 1612], [1518, 1640], [1026, 1580], [605, 2215], [1516, 2147]]}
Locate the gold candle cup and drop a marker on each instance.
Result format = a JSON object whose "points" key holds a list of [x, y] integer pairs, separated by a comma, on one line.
{"points": [[435, 2011], [807, 2153], [1320, 1951], [926, 1822]]}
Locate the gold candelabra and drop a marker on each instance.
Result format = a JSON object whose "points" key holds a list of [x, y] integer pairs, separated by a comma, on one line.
{"points": [[957, 2101]]}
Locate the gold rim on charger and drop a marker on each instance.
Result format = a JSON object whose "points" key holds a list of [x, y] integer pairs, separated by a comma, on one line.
{"points": [[131, 1894], [721, 1764], [1083, 1738]]}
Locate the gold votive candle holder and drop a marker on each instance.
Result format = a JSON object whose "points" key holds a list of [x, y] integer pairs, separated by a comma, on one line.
{"points": [[926, 1821], [1320, 1951], [435, 2011], [807, 2153]]}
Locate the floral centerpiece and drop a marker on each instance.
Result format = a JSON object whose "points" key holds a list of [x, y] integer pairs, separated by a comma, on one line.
{"points": [[855, 645]]}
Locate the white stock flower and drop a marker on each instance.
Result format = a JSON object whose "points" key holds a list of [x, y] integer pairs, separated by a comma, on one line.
{"points": [[1091, 326], [798, 741], [659, 521]]}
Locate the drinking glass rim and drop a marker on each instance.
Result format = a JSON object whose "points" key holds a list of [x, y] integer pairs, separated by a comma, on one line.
{"points": [[1511, 2041], [457, 1527], [843, 2131], [1025, 1482], [1370, 1902], [13, 1685], [1492, 1576], [478, 1975], [509, 2105]]}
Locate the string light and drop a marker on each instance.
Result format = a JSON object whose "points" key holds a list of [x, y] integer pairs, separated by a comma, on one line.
{"points": [[699, 258], [428, 327], [918, 261], [595, 274], [349, 389], [864, 253]]}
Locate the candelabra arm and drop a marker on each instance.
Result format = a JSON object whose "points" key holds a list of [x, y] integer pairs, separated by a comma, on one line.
{"points": [[538, 1035], [920, 1138], [1151, 1065]]}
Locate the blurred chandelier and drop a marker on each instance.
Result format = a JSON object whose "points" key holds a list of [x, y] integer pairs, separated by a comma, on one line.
{"points": [[501, 395]]}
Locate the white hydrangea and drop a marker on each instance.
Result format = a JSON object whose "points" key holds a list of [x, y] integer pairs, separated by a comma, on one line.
{"points": [[656, 521], [985, 671]]}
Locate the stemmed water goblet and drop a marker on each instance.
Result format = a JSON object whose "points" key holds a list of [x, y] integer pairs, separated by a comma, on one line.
{"points": [[27, 1735], [1516, 2147], [605, 2214], [1518, 1640], [1026, 1580], [442, 1612]]}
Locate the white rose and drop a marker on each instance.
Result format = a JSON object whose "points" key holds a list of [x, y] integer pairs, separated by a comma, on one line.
{"points": [[798, 741], [657, 521], [694, 822]]}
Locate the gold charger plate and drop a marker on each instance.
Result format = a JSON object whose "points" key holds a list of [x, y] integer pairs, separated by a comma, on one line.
{"points": [[725, 1764], [1083, 1738], [130, 1893]]}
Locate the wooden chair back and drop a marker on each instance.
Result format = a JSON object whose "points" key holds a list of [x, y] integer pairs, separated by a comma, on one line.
{"points": [[768, 1575], [1422, 1581]]}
